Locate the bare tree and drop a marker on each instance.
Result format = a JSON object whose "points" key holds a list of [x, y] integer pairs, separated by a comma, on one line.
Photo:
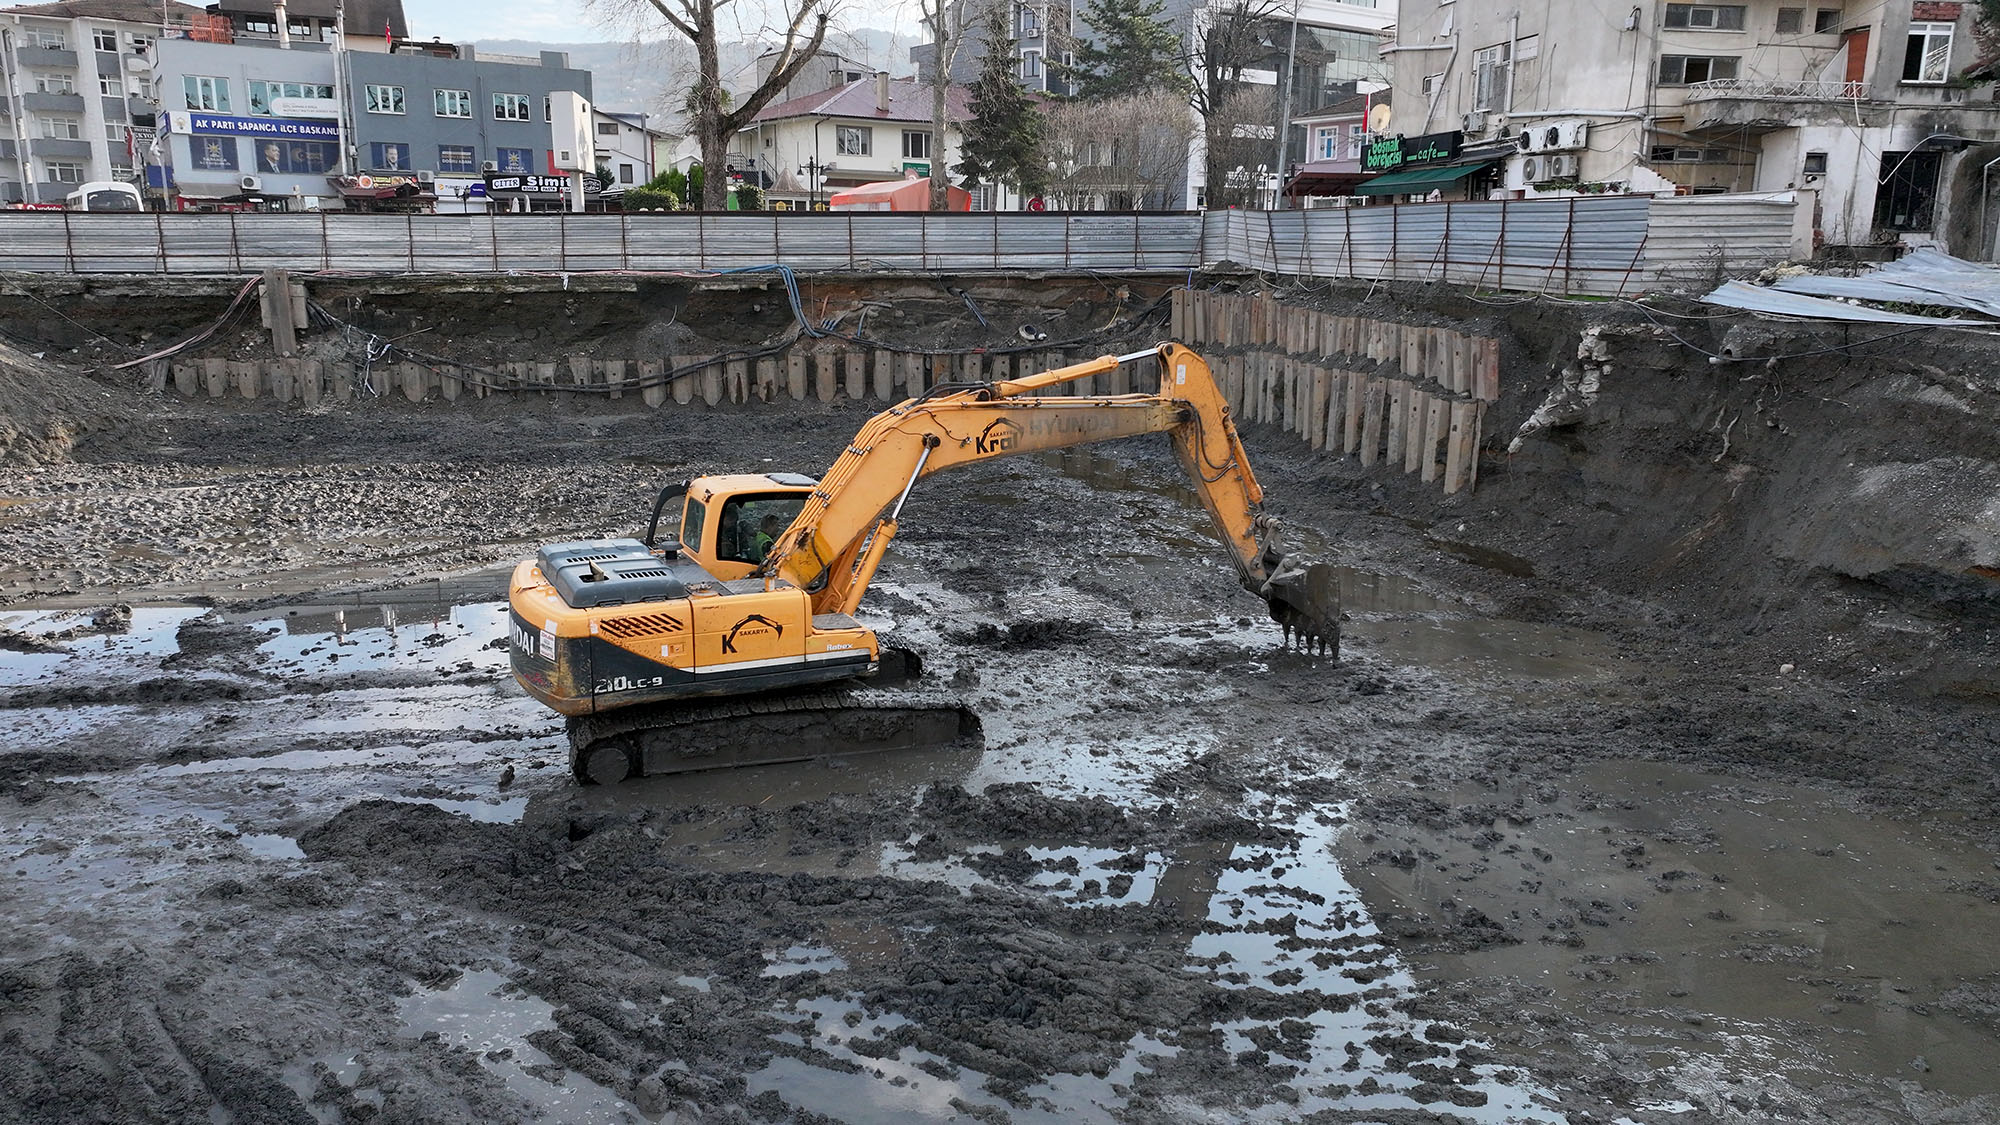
{"points": [[712, 115], [1237, 116], [946, 21], [1130, 152]]}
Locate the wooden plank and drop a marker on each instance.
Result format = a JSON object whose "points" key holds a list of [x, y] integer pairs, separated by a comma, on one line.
{"points": [[1336, 408], [1413, 429], [614, 376], [311, 374], [1472, 450], [1356, 398], [714, 381], [417, 382], [450, 383], [885, 375], [1322, 381], [651, 381], [913, 366], [1394, 423], [1457, 444], [340, 381], [826, 376], [939, 370], [1486, 371], [854, 371], [1371, 421], [1435, 412], [1177, 315], [684, 384], [215, 376]]}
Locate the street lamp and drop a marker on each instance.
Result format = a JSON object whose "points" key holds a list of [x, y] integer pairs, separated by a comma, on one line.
{"points": [[815, 174]]}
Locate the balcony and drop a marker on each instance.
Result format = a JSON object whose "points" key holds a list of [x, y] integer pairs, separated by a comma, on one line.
{"points": [[50, 58], [59, 148], [55, 103], [1760, 105]]}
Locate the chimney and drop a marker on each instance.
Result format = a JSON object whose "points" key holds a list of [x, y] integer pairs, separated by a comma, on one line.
{"points": [[881, 91]]}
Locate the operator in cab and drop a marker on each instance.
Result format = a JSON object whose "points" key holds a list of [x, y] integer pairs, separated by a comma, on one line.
{"points": [[767, 534]]}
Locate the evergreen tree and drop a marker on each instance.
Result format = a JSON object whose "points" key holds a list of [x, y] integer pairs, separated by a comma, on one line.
{"points": [[1134, 52], [1002, 143]]}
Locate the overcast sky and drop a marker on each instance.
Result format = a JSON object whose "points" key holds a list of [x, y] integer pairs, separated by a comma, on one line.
{"points": [[569, 21]]}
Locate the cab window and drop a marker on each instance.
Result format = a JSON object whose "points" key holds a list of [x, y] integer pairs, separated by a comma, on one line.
{"points": [[750, 523], [691, 521]]}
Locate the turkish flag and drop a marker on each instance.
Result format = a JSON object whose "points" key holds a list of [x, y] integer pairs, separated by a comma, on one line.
{"points": [[388, 36]]}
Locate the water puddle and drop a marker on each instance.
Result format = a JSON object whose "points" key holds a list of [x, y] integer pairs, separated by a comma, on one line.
{"points": [[491, 1017]]}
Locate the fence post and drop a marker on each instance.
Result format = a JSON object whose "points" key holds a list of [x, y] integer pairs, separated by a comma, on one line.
{"points": [[410, 239], [996, 239], [160, 230], [1444, 247], [1505, 205], [562, 240], [235, 254], [1569, 249], [69, 243]]}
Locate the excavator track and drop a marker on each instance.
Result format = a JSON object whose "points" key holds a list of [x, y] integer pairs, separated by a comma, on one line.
{"points": [[764, 729]]}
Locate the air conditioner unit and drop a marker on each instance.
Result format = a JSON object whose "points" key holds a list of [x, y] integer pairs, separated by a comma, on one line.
{"points": [[1562, 167], [1032, 33], [1574, 134], [427, 177], [1473, 123], [1532, 170], [489, 166], [1525, 141], [251, 183]]}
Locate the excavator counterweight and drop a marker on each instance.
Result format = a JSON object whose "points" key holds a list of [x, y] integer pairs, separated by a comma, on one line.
{"points": [[737, 642]]}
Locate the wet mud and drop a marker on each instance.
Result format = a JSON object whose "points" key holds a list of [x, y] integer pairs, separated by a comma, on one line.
{"points": [[286, 844]]}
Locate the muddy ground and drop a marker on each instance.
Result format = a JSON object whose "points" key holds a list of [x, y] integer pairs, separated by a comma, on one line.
{"points": [[1656, 784]]}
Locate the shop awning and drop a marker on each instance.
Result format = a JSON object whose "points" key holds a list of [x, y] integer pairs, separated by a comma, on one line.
{"points": [[1326, 177], [1419, 180]]}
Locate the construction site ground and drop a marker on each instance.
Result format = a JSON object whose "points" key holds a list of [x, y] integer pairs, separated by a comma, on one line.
{"points": [[1655, 783]]}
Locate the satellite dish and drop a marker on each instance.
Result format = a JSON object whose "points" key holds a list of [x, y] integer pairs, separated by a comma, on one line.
{"points": [[1378, 119]]}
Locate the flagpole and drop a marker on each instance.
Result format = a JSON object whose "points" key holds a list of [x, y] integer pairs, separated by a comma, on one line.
{"points": [[340, 85]]}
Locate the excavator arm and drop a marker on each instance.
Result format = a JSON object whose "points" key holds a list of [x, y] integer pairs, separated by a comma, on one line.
{"points": [[832, 548]]}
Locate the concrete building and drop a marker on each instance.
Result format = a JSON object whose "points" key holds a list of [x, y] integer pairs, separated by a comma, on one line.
{"points": [[1324, 48], [862, 132], [368, 25], [78, 93], [300, 126], [1875, 111], [628, 148]]}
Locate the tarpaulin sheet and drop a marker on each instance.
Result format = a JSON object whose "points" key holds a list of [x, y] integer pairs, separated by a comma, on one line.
{"points": [[1923, 277]]}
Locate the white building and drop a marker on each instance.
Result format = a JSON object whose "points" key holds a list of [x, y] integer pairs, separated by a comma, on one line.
{"points": [[1870, 108], [633, 151], [861, 132], [78, 93]]}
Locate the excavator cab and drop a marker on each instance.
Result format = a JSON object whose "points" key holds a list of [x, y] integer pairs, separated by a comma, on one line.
{"points": [[724, 517]]}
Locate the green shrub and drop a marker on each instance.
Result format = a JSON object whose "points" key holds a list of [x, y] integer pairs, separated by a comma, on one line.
{"points": [[650, 198], [749, 197]]}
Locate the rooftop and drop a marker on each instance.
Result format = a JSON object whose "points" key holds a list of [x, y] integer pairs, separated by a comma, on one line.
{"points": [[907, 102], [128, 11]]}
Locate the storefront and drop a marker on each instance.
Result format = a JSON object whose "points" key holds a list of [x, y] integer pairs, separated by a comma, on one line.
{"points": [[1426, 168]]}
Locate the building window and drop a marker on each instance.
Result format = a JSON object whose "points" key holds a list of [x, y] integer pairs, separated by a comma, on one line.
{"points": [[1826, 21], [1815, 164], [916, 144], [1357, 136], [65, 171], [263, 94], [110, 88], [60, 82], [1705, 17], [625, 173], [104, 39], [260, 25], [607, 128], [1791, 21], [1431, 83], [1326, 143], [142, 42], [120, 170], [1687, 154], [514, 159], [115, 134], [62, 128], [854, 140], [455, 158], [1031, 64], [1686, 70], [1490, 72], [453, 103], [510, 107], [299, 29], [548, 109], [1031, 23], [1908, 190], [53, 40], [385, 99], [389, 156], [1926, 58]]}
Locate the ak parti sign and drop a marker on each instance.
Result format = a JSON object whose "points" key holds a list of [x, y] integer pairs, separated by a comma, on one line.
{"points": [[1391, 153]]}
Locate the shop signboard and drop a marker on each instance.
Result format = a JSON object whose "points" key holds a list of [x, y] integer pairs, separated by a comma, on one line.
{"points": [[1391, 153]]}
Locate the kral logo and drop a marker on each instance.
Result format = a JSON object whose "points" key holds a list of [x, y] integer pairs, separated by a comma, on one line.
{"points": [[999, 436]]}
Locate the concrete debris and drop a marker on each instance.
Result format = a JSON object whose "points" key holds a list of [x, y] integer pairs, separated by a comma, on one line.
{"points": [[1571, 399]]}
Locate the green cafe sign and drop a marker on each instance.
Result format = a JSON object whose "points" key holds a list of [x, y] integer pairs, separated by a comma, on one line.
{"points": [[1391, 153]]}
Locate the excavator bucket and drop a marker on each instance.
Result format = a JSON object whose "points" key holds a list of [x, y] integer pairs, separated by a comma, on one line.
{"points": [[1305, 602]]}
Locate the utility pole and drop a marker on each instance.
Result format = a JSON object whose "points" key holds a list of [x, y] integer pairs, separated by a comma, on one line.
{"points": [[1285, 111]]}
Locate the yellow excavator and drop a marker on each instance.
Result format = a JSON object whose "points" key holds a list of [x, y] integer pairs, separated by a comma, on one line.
{"points": [[719, 648]]}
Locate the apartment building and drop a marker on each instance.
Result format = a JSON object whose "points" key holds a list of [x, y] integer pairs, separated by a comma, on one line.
{"points": [[629, 149], [1878, 111], [76, 93], [297, 125]]}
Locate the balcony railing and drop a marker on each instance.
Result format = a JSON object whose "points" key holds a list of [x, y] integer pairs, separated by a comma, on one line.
{"points": [[1777, 90]]}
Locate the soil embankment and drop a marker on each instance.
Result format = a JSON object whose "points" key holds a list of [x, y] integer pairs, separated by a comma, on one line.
{"points": [[1657, 782]]}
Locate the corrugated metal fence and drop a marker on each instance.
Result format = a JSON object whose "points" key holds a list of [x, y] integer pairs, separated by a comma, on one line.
{"points": [[1608, 245], [62, 242], [1617, 244]]}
